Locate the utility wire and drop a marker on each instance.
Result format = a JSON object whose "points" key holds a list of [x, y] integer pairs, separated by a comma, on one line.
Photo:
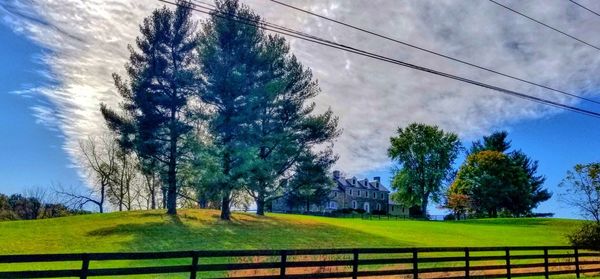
{"points": [[435, 53], [584, 7], [303, 36], [544, 24]]}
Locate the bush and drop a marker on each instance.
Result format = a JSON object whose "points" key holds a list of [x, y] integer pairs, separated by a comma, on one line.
{"points": [[588, 236], [359, 211]]}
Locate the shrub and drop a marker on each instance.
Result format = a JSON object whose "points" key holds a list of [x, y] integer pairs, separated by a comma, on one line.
{"points": [[359, 211], [588, 236]]}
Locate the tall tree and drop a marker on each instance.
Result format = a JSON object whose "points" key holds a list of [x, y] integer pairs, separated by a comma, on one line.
{"points": [[163, 78], [425, 155], [230, 64], [286, 126]]}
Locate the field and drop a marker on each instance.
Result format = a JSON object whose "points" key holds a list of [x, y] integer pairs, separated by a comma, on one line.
{"points": [[201, 230]]}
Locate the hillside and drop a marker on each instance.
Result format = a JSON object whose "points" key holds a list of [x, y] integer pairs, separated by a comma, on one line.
{"points": [[201, 229]]}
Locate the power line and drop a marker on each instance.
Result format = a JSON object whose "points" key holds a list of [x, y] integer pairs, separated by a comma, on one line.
{"points": [[584, 7], [311, 38], [435, 53], [544, 24]]}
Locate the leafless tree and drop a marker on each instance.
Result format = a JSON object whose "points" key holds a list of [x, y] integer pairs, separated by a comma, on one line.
{"points": [[99, 159], [77, 197]]}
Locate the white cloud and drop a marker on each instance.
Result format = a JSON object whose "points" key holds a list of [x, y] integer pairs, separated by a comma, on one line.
{"points": [[87, 42]]}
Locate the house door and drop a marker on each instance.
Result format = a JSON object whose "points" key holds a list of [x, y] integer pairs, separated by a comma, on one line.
{"points": [[366, 207]]}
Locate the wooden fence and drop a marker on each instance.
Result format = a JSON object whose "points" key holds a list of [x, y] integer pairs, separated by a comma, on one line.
{"points": [[448, 262]]}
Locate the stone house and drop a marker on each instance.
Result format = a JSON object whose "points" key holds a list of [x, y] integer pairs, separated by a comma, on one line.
{"points": [[370, 196]]}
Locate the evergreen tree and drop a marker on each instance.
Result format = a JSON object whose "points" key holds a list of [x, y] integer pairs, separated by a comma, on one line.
{"points": [[230, 64], [157, 106], [285, 127], [497, 141]]}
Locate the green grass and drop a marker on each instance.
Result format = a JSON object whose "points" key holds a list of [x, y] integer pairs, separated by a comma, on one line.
{"points": [[201, 230]]}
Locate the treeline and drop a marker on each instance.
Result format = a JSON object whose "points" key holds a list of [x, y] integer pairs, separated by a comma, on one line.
{"points": [[493, 180], [213, 113], [19, 207]]}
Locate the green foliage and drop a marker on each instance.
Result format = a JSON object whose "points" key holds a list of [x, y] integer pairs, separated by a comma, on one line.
{"points": [[425, 155], [311, 183], [18, 207], [163, 78], [587, 235], [583, 189], [496, 183], [263, 123], [497, 141]]}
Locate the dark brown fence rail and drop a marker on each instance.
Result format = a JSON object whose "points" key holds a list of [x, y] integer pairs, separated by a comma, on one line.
{"points": [[447, 262]]}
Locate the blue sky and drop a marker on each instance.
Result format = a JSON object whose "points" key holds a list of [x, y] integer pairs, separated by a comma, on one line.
{"points": [[79, 45], [32, 154]]}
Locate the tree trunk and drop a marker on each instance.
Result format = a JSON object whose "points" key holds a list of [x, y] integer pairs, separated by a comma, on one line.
{"points": [[172, 191], [260, 204], [225, 210], [172, 171], [102, 193], [424, 203]]}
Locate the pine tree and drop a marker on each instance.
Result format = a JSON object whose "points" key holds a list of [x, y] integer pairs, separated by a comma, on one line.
{"points": [[286, 128], [157, 97], [229, 59]]}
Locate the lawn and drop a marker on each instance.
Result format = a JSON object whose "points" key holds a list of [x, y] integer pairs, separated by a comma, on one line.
{"points": [[201, 230]]}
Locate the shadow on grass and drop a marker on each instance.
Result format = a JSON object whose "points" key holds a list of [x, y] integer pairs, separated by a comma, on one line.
{"points": [[198, 230]]}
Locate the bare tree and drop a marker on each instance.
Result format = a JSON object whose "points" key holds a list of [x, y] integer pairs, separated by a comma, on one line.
{"points": [[583, 190], [77, 197], [99, 158]]}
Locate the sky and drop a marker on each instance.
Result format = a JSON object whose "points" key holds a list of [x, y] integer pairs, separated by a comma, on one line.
{"points": [[58, 57]]}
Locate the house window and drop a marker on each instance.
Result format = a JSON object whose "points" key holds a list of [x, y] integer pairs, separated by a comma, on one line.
{"points": [[333, 205], [350, 192], [354, 205], [392, 208], [382, 196], [374, 195], [366, 207], [335, 194], [379, 206]]}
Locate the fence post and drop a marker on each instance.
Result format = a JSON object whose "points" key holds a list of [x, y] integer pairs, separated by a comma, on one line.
{"points": [[546, 266], [577, 271], [194, 266], [85, 265], [355, 264], [283, 263], [415, 264], [507, 262], [467, 264]]}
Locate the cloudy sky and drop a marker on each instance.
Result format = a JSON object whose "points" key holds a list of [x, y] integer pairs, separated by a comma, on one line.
{"points": [[61, 55]]}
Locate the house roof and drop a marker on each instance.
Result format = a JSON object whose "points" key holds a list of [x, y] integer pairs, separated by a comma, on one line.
{"points": [[344, 183]]}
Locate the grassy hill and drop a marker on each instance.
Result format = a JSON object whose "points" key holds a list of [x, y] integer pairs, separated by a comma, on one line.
{"points": [[201, 229]]}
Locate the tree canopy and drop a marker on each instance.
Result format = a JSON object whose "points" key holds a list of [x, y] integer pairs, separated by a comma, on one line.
{"points": [[425, 155], [495, 181]]}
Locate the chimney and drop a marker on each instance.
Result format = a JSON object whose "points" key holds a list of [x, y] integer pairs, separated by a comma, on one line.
{"points": [[336, 174], [377, 178]]}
